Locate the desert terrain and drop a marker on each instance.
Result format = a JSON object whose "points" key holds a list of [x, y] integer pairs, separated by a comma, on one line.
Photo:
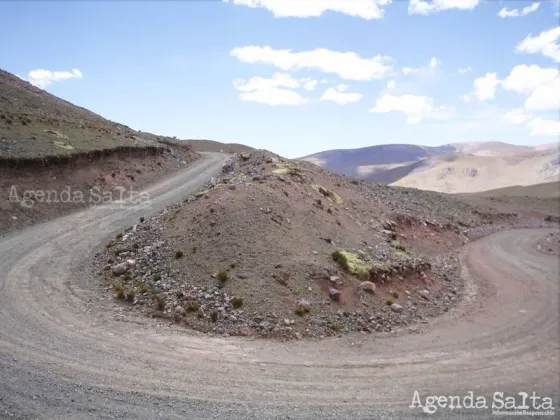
{"points": [[254, 286], [454, 168]]}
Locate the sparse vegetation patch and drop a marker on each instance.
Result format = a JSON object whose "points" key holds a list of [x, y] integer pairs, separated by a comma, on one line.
{"points": [[353, 263]]}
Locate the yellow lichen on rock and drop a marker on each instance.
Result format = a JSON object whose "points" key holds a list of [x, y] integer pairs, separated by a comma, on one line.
{"points": [[353, 263]]}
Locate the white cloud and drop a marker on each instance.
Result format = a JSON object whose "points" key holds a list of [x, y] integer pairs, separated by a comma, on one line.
{"points": [[411, 70], [348, 65], [416, 108], [273, 91], [43, 78], [365, 9], [339, 95], [542, 85], [485, 86], [258, 83], [391, 84], [541, 127], [546, 43], [507, 12], [434, 62], [516, 116], [525, 79], [309, 84], [465, 69], [274, 96], [425, 7], [545, 97]]}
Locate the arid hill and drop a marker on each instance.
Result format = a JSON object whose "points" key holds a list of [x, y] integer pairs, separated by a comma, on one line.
{"points": [[48, 145], [465, 173], [34, 123], [284, 249], [453, 168], [367, 162]]}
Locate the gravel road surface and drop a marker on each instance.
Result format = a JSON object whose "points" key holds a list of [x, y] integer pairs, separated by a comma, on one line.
{"points": [[67, 352]]}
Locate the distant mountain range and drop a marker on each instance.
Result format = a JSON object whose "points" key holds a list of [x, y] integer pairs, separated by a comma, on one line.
{"points": [[452, 168]]}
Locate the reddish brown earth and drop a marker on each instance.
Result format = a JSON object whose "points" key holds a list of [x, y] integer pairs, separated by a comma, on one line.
{"points": [[271, 226]]}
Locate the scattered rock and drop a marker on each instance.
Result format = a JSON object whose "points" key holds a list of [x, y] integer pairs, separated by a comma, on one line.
{"points": [[304, 303], [396, 307], [425, 294], [334, 294], [121, 268], [390, 234], [368, 286]]}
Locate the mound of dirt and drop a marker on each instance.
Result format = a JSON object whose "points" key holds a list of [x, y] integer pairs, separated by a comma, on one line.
{"points": [[283, 249]]}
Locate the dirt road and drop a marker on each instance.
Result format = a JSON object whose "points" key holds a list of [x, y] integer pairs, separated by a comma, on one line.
{"points": [[67, 352]]}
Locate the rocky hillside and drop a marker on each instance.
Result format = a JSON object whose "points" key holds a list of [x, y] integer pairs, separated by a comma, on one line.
{"points": [[36, 124], [280, 248], [48, 145]]}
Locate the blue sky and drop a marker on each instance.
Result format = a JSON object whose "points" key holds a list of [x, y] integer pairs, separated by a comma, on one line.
{"points": [[298, 77]]}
